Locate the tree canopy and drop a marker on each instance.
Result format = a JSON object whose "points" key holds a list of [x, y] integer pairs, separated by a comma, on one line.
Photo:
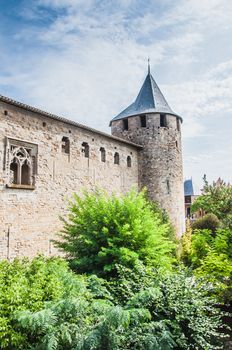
{"points": [[216, 199], [102, 231], [207, 246]]}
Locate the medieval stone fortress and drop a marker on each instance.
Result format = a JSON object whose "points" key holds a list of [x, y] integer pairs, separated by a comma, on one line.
{"points": [[45, 158]]}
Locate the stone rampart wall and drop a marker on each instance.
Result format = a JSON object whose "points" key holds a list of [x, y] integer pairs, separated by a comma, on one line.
{"points": [[29, 218]]}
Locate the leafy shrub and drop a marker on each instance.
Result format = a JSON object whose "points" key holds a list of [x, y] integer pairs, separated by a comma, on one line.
{"points": [[102, 231], [131, 281], [210, 256], [178, 300], [201, 243], [29, 285], [184, 307], [215, 263], [167, 313], [85, 325], [217, 269], [210, 252], [209, 221]]}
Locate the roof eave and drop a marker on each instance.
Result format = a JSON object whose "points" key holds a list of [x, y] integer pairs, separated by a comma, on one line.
{"points": [[64, 120]]}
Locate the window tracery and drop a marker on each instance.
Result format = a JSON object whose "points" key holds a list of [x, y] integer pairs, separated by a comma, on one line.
{"points": [[21, 162]]}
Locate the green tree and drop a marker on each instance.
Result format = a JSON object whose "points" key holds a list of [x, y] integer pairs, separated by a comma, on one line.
{"points": [[210, 253], [102, 231], [162, 313], [216, 199], [210, 256], [26, 285]]}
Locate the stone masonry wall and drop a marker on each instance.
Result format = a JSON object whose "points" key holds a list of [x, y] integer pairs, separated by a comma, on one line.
{"points": [[29, 219], [160, 162]]}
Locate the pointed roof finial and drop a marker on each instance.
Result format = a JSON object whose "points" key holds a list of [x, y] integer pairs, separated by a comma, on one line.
{"points": [[149, 100], [148, 65]]}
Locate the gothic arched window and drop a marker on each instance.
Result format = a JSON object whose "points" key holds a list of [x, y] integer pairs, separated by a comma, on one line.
{"points": [[21, 165], [26, 174], [14, 172]]}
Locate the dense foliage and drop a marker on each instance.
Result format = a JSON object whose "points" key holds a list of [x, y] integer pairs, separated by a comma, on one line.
{"points": [[102, 231], [216, 199], [28, 285], [207, 246], [209, 254], [171, 312], [143, 302], [209, 221]]}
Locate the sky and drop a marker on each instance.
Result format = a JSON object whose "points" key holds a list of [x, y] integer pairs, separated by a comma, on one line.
{"points": [[87, 59]]}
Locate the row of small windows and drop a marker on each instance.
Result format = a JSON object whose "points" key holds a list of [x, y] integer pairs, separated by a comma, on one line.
{"points": [[117, 160], [65, 146], [143, 122]]}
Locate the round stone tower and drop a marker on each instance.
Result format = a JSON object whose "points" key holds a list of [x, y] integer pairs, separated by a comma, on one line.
{"points": [[150, 122]]}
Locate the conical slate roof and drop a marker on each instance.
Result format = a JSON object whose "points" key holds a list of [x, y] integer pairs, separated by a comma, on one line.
{"points": [[149, 100]]}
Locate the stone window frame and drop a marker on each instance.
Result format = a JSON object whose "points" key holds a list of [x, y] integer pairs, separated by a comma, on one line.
{"points": [[22, 154]]}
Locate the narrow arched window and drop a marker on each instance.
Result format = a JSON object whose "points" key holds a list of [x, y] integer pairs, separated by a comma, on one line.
{"points": [[85, 149], [116, 158], [129, 161], [125, 124], [103, 154], [14, 172], [163, 120], [65, 145], [25, 175], [143, 121]]}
